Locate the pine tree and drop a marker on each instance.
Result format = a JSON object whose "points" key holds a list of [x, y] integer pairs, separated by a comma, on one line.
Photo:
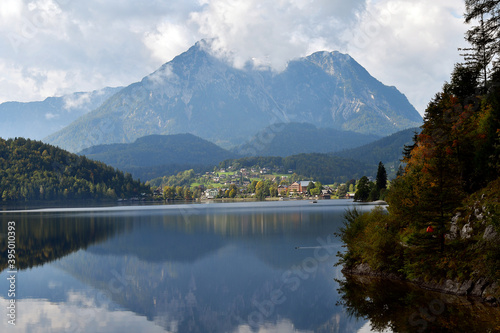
{"points": [[381, 181], [484, 37], [363, 189]]}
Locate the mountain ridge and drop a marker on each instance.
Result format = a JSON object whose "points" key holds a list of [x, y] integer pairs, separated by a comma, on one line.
{"points": [[36, 120], [200, 94], [158, 155]]}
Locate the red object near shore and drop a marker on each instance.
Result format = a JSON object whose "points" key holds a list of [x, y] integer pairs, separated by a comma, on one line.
{"points": [[430, 229]]}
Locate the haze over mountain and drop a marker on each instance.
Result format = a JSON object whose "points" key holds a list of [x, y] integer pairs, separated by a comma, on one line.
{"points": [[296, 138], [387, 150], [201, 94], [36, 120]]}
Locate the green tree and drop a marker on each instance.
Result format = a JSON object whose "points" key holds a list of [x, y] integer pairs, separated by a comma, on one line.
{"points": [[484, 37], [179, 192], [310, 186], [363, 189], [381, 180], [342, 191], [252, 187], [273, 190], [168, 193], [188, 195], [262, 190]]}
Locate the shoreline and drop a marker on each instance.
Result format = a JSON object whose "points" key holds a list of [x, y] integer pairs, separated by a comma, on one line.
{"points": [[480, 289]]}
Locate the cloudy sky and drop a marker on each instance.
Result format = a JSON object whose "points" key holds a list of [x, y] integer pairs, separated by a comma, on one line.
{"points": [[54, 47]]}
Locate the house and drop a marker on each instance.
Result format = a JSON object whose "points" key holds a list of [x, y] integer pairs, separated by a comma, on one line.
{"points": [[304, 184], [299, 187], [211, 193], [282, 190], [295, 187]]}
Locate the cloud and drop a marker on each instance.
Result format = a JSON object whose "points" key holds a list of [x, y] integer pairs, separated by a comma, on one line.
{"points": [[50, 116], [76, 101], [55, 47], [78, 314], [274, 33], [412, 45]]}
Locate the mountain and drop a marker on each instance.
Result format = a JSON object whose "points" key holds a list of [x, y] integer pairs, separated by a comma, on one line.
{"points": [[159, 155], [36, 120], [295, 138], [388, 149], [201, 94], [32, 170]]}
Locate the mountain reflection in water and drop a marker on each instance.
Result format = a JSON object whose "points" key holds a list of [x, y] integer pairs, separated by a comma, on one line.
{"points": [[191, 268]]}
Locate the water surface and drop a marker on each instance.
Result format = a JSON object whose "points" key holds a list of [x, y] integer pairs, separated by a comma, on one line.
{"points": [[238, 267]]}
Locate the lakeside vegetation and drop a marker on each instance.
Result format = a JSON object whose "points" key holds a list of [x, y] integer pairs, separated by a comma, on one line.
{"points": [[443, 219]]}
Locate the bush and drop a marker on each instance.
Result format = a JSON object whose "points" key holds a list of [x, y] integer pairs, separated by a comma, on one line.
{"points": [[370, 238]]}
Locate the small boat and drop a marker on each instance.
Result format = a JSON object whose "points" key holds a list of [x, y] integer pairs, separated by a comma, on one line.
{"points": [[314, 201]]}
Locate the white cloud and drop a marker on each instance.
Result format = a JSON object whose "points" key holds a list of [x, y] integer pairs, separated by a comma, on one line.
{"points": [[274, 33], [78, 314], [50, 115], [168, 40], [73, 102], [412, 45], [50, 47]]}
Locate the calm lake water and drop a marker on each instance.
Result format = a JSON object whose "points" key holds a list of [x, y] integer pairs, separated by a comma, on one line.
{"points": [[236, 267]]}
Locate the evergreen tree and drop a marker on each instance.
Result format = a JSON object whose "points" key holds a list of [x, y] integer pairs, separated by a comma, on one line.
{"points": [[363, 189], [381, 181], [484, 37]]}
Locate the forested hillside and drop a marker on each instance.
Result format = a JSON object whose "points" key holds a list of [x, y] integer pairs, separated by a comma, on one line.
{"points": [[388, 149], [32, 170], [321, 167], [154, 156], [443, 226], [296, 138]]}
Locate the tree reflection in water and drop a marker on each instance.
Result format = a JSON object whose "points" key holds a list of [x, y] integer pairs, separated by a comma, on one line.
{"points": [[401, 307]]}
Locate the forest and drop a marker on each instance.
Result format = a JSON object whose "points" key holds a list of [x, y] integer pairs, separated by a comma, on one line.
{"points": [[33, 170], [322, 167], [443, 220]]}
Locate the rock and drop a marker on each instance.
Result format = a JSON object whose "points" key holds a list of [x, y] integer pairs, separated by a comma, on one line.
{"points": [[454, 232], [466, 231], [451, 286], [490, 299], [490, 233], [363, 269], [479, 287], [490, 290], [465, 288]]}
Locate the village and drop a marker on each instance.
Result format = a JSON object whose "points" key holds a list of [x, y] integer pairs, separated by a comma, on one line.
{"points": [[253, 183]]}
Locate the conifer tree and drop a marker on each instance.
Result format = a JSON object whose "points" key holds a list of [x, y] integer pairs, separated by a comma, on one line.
{"points": [[381, 181], [483, 37]]}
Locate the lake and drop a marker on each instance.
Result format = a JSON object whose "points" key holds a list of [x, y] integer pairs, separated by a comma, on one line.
{"points": [[225, 267]]}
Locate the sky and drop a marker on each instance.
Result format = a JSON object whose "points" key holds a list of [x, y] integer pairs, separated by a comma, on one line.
{"points": [[56, 47]]}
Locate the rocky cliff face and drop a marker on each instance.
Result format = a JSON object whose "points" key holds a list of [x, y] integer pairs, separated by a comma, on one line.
{"points": [[200, 94]]}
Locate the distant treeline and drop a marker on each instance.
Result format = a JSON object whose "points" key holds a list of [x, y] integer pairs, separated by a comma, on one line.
{"points": [[32, 170]]}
